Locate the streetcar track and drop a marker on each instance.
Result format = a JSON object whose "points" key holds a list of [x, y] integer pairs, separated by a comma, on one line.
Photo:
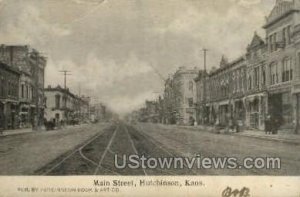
{"points": [[86, 158], [133, 146], [161, 147], [105, 151], [73, 152], [253, 170]]}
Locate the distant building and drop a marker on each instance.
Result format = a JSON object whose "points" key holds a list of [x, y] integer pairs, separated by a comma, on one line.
{"points": [[100, 112], [202, 96], [62, 105], [184, 95], [9, 89], [151, 113]]}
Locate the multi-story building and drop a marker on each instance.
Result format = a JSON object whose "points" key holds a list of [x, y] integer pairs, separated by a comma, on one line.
{"points": [[9, 88], [256, 95], [201, 95], [31, 65], [266, 80], [226, 86], [98, 112], [168, 104], [282, 61], [185, 94], [62, 105]]}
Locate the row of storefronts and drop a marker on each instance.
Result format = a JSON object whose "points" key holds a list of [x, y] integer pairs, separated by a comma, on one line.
{"points": [[21, 87], [262, 82]]}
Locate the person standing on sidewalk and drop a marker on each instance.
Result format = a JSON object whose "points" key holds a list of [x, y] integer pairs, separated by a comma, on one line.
{"points": [[268, 129]]}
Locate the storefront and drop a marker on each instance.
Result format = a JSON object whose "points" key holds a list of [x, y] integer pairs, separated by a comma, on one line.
{"points": [[281, 109], [9, 118], [223, 114], [255, 111], [239, 110]]}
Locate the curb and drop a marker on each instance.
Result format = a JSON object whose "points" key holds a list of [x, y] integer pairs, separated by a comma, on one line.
{"points": [[269, 139], [245, 135]]}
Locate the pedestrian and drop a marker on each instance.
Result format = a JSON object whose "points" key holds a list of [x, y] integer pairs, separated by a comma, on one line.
{"points": [[268, 124]]}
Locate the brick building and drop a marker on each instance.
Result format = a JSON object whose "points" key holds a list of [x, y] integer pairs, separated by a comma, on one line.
{"points": [[256, 95], [31, 65], [282, 61], [9, 89], [266, 80], [225, 90]]}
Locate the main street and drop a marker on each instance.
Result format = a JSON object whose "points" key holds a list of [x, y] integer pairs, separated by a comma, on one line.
{"points": [[92, 150], [97, 155]]}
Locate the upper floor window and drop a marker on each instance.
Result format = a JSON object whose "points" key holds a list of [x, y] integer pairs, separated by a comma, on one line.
{"points": [[190, 102], [250, 82], [2, 87], [298, 59], [256, 77], [263, 75], [191, 86], [274, 73], [273, 42], [57, 101], [22, 90], [287, 70], [286, 35]]}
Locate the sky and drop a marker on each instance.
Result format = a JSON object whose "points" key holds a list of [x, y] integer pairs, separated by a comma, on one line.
{"points": [[112, 46]]}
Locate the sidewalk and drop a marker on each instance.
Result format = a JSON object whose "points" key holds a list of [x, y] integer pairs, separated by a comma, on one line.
{"points": [[280, 137], [30, 130], [16, 132]]}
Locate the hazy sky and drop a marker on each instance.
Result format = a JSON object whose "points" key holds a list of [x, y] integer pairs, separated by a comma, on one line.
{"points": [[109, 45]]}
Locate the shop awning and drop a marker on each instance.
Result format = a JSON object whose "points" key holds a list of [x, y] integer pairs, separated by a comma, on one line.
{"points": [[226, 102], [251, 98]]}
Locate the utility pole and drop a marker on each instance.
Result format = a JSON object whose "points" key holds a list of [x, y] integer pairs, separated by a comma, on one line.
{"points": [[205, 52], [36, 85], [204, 85], [65, 73]]}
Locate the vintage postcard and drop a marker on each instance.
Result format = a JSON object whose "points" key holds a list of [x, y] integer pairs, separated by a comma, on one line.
{"points": [[150, 98]]}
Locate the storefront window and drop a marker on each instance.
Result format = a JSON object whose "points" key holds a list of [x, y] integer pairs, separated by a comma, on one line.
{"points": [[287, 108]]}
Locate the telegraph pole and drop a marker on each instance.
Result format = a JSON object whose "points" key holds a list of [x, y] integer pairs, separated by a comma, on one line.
{"points": [[65, 73], [204, 84], [205, 52], [36, 85]]}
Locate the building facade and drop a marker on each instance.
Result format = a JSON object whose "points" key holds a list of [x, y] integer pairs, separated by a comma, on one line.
{"points": [[184, 95], [9, 89], [62, 105], [256, 95], [282, 65], [225, 90], [264, 81], [31, 65]]}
